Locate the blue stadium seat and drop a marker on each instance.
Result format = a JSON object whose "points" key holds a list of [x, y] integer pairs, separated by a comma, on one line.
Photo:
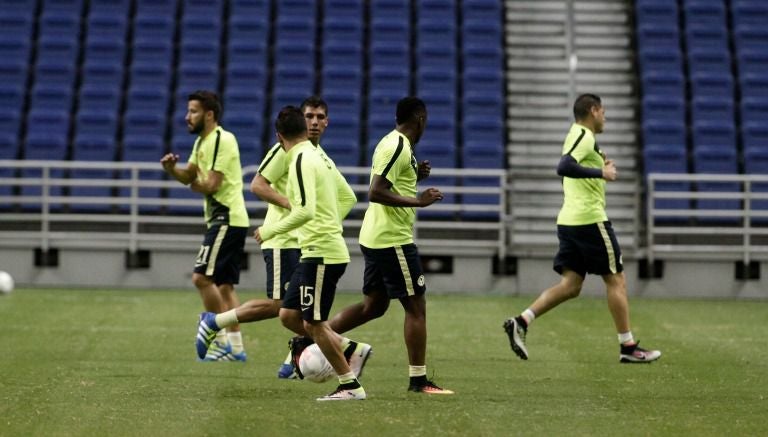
{"points": [[100, 97], [378, 125], [651, 34], [482, 32], [13, 72], [754, 84], [105, 50], [59, 23], [250, 8], [12, 96], [298, 80], [295, 52], [440, 155], [282, 97], [192, 77], [662, 159], [483, 55], [668, 133], [755, 134], [92, 147], [390, 8], [247, 28], [200, 27], [485, 103], [705, 12], [665, 58], [16, 23], [746, 12], [339, 29], [297, 7], [144, 122], [439, 9], [343, 106], [203, 8], [201, 51], [15, 48], [46, 140], [441, 105], [488, 130], [705, 83], [63, 6], [393, 79], [341, 142], [753, 109], [430, 78], [46, 95], [481, 155], [751, 36], [390, 53], [706, 38], [752, 61], [660, 107], [481, 10], [432, 30], [157, 7], [246, 74], [57, 48], [295, 28], [341, 78], [248, 129], [243, 99], [342, 54], [251, 52], [52, 121], [8, 150], [756, 162], [50, 72], [714, 133], [709, 60], [96, 121], [106, 73], [343, 9], [107, 25], [10, 122], [716, 160], [157, 74], [156, 51], [143, 148], [154, 27], [389, 29], [483, 79], [178, 121], [712, 108], [116, 7]]}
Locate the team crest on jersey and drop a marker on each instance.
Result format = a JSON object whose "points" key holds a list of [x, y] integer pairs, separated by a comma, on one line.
{"points": [[420, 281]]}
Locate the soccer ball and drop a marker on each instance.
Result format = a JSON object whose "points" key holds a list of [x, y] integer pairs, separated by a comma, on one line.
{"points": [[314, 366], [6, 283]]}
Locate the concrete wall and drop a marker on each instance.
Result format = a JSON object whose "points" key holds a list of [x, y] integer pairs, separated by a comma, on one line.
{"points": [[172, 269]]}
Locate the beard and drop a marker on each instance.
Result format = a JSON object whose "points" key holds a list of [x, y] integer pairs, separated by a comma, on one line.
{"points": [[197, 128]]}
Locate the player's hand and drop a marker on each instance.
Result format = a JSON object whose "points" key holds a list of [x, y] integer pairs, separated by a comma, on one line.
{"points": [[169, 161], [429, 196], [257, 236], [609, 170], [423, 170]]}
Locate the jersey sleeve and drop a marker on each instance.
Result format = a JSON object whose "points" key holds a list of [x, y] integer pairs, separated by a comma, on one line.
{"points": [[274, 165], [193, 155], [303, 198], [345, 195], [227, 154]]}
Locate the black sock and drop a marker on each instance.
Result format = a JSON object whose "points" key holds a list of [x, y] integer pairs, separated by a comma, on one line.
{"points": [[521, 321], [419, 380]]}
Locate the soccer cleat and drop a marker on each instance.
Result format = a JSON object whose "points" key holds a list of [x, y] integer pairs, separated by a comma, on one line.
{"points": [[345, 394], [359, 357], [218, 351], [286, 371], [429, 388], [516, 334], [636, 354], [206, 332], [297, 345]]}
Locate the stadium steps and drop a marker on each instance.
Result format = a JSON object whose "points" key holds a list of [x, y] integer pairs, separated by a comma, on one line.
{"points": [[539, 110]]}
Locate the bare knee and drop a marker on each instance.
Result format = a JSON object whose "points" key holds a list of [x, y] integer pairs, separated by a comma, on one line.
{"points": [[573, 290], [375, 308], [201, 281]]}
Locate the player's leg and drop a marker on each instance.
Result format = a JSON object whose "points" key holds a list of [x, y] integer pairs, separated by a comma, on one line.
{"points": [[203, 278]]}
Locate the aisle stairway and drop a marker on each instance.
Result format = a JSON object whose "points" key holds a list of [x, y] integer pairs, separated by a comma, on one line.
{"points": [[539, 111]]}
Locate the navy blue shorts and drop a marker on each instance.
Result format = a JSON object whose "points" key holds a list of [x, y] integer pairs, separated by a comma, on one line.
{"points": [[313, 289], [588, 249], [396, 270], [281, 263], [221, 254]]}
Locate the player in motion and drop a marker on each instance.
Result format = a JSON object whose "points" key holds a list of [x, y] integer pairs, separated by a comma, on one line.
{"points": [[214, 171], [392, 265], [587, 240]]}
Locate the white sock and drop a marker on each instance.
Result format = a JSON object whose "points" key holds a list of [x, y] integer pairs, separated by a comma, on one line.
{"points": [[227, 318], [347, 378], [221, 337], [528, 315], [236, 340], [626, 338], [417, 371], [288, 358]]}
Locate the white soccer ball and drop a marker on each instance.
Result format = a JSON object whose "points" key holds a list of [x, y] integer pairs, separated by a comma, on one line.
{"points": [[6, 282], [314, 366]]}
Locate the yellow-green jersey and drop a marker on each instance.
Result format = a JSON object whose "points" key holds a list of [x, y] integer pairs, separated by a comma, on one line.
{"points": [[388, 226], [320, 199], [218, 151], [583, 199], [274, 168]]}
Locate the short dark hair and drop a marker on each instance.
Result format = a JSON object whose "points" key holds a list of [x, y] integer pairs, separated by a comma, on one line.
{"points": [[209, 101], [584, 104], [409, 108], [314, 102], [290, 122]]}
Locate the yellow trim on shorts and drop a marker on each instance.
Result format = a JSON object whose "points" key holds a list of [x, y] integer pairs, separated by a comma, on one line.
{"points": [[215, 250], [608, 247], [277, 286], [318, 292], [405, 270]]}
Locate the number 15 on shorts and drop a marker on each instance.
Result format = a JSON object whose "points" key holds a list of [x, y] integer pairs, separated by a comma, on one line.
{"points": [[307, 296]]}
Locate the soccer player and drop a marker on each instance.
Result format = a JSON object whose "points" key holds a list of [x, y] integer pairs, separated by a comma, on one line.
{"points": [[392, 265], [214, 170], [587, 240], [320, 198]]}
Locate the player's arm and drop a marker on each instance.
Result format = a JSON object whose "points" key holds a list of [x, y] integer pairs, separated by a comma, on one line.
{"points": [[345, 195], [303, 200], [210, 185], [568, 167], [381, 192], [184, 175], [262, 187]]}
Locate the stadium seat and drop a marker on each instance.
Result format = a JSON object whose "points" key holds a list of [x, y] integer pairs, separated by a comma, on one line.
{"points": [[707, 37], [193, 76], [13, 72], [753, 109], [250, 8], [705, 12], [705, 83], [51, 72], [749, 12], [155, 51], [251, 52], [663, 83], [203, 7], [104, 73], [156, 74], [12, 96], [754, 85], [751, 36], [390, 53], [100, 97], [57, 49], [709, 60], [659, 107], [295, 28], [663, 58], [756, 162], [58, 23], [429, 78], [755, 134], [247, 128], [480, 129], [386, 29], [105, 50], [481, 155], [154, 27], [157, 7], [341, 78], [96, 121], [15, 48], [662, 12], [106, 25], [200, 27], [142, 148], [378, 125], [116, 7], [343, 106], [714, 133], [16, 24], [716, 160], [144, 122], [51, 96], [240, 99], [246, 74], [654, 35], [199, 51], [343, 54], [667, 133], [712, 108], [247, 28], [752, 61], [433, 30], [343, 9], [394, 78], [10, 122], [443, 105], [482, 32], [53, 121], [482, 79], [390, 8], [483, 56], [342, 29], [662, 159], [480, 10], [294, 52], [437, 9]]}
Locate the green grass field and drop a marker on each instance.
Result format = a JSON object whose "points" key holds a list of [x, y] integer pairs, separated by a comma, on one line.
{"points": [[93, 362]]}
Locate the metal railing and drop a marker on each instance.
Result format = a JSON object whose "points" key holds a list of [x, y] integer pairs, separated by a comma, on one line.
{"points": [[37, 208], [711, 216]]}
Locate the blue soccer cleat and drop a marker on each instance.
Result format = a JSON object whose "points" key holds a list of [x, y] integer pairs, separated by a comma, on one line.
{"points": [[206, 332], [218, 351], [286, 372]]}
